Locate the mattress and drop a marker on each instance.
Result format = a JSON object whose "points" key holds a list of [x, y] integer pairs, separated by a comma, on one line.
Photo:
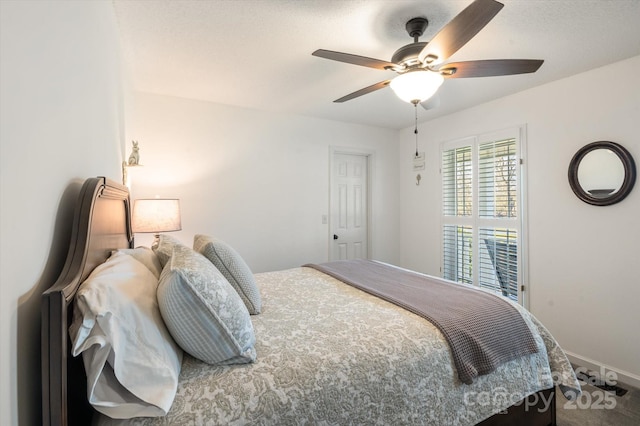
{"points": [[330, 354]]}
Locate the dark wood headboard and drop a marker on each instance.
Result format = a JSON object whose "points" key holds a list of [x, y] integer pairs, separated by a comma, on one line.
{"points": [[101, 223]]}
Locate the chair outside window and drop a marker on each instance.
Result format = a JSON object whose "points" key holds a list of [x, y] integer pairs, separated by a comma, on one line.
{"points": [[504, 257]]}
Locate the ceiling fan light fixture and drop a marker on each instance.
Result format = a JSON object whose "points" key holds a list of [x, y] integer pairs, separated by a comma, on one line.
{"points": [[423, 66], [416, 86]]}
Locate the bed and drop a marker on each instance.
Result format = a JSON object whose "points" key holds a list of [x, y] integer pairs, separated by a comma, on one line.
{"points": [[326, 353]]}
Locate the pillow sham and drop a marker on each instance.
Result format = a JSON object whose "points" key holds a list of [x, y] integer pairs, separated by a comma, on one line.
{"points": [[147, 257], [163, 247], [131, 361], [234, 269], [203, 313]]}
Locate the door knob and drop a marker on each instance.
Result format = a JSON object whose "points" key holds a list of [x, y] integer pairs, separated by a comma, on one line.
{"points": [[335, 237]]}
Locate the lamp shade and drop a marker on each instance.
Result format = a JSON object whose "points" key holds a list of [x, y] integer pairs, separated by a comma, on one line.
{"points": [[416, 86], [156, 215]]}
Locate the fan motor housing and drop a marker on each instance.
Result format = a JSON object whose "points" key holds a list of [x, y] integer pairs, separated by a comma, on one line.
{"points": [[408, 55]]}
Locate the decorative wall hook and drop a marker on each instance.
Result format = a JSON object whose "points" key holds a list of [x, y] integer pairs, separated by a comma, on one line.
{"points": [[418, 177]]}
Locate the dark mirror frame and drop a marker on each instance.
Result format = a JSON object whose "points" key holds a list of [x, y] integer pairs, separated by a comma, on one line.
{"points": [[629, 173]]}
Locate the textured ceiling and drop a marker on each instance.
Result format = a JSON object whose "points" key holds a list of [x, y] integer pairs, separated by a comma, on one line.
{"points": [[257, 53]]}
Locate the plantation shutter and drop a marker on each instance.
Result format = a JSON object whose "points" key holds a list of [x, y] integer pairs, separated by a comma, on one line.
{"points": [[457, 196], [458, 249], [497, 179], [481, 213], [457, 177]]}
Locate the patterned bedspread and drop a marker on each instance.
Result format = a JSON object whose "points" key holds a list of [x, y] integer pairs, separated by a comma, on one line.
{"points": [[330, 354]]}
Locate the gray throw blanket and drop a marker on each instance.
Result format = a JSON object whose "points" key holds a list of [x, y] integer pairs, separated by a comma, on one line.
{"points": [[483, 330]]}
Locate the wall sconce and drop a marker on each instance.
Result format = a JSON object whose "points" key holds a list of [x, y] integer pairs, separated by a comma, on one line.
{"points": [[156, 215], [134, 161]]}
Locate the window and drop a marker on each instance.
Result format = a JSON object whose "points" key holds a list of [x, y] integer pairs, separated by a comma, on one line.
{"points": [[482, 212]]}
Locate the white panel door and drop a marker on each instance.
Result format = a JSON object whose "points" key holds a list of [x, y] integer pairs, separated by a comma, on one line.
{"points": [[349, 207]]}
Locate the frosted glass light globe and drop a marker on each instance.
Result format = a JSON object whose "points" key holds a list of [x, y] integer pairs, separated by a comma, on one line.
{"points": [[416, 86]]}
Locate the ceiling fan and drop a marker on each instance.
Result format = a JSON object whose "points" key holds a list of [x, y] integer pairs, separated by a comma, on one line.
{"points": [[420, 64]]}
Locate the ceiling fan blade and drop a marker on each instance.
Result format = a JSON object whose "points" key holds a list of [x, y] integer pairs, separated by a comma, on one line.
{"points": [[364, 91], [355, 59], [459, 31], [490, 68]]}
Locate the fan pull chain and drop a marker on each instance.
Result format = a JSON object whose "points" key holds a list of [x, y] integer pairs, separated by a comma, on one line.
{"points": [[415, 104], [415, 131]]}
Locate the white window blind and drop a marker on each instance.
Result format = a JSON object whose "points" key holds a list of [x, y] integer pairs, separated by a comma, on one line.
{"points": [[481, 218], [457, 252], [457, 178], [497, 179]]}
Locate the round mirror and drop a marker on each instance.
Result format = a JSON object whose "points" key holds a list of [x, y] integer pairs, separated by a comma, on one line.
{"points": [[602, 173]]}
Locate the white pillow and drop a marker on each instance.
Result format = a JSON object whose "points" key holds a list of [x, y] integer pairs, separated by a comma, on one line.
{"points": [[147, 257], [132, 363], [203, 312]]}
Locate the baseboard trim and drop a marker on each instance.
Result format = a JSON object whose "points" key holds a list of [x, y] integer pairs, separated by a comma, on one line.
{"points": [[592, 365]]}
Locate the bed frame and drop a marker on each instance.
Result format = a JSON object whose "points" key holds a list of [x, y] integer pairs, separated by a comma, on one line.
{"points": [[101, 224]]}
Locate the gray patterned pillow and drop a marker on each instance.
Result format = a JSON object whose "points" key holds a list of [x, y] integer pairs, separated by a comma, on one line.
{"points": [[234, 269], [203, 313], [163, 247]]}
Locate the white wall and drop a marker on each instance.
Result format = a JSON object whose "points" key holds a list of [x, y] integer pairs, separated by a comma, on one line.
{"points": [[61, 121], [584, 270], [259, 181]]}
